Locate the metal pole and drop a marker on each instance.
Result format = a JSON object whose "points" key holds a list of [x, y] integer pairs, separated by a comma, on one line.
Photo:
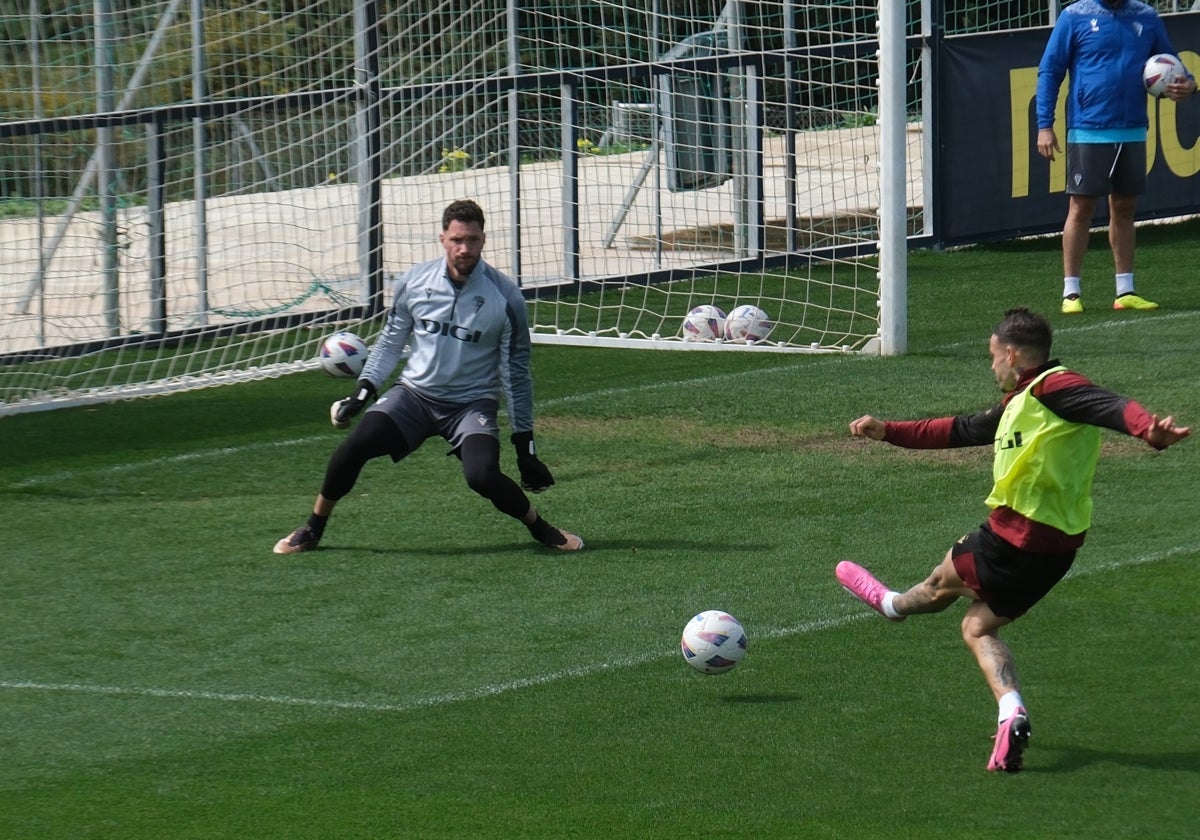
{"points": [[39, 280], [932, 32], [739, 105], [199, 162], [106, 185], [514, 140], [639, 179], [791, 88], [156, 176], [893, 206], [754, 201], [570, 181], [657, 128], [369, 120]]}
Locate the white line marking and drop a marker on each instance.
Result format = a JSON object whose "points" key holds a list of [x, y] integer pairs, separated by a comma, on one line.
{"points": [[494, 689], [1083, 328], [697, 382], [68, 475], [417, 702], [1139, 560]]}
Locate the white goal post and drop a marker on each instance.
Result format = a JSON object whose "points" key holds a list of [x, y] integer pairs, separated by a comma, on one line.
{"points": [[239, 183]]}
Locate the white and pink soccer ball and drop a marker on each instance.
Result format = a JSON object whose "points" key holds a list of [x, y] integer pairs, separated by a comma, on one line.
{"points": [[748, 323], [1161, 70], [704, 323], [713, 642], [343, 354]]}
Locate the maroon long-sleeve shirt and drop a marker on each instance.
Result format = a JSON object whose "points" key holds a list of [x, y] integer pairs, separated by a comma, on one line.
{"points": [[1069, 395]]}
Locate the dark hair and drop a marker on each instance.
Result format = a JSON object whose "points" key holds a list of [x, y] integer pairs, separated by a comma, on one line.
{"points": [[465, 211], [1024, 328]]}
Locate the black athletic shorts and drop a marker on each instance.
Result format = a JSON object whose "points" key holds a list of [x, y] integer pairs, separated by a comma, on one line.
{"points": [[1008, 579], [419, 418], [1102, 168]]}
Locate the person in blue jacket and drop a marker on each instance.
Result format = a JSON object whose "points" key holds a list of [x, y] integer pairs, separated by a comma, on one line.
{"points": [[1103, 46]]}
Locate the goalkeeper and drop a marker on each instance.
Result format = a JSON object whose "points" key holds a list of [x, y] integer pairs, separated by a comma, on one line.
{"points": [[467, 328], [1046, 438]]}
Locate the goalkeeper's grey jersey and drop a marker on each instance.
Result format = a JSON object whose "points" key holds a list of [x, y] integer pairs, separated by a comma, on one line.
{"points": [[466, 344]]}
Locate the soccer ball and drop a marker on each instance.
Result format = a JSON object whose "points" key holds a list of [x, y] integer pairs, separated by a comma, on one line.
{"points": [[713, 642], [748, 323], [343, 354], [1161, 70], [704, 323]]}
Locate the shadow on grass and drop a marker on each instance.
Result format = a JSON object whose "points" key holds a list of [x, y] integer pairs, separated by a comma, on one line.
{"points": [[1070, 758], [630, 547]]}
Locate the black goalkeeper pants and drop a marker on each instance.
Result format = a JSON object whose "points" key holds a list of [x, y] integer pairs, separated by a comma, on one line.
{"points": [[376, 435]]}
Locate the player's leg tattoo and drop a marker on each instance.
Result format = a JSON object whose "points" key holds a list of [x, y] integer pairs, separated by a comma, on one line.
{"points": [[1003, 671]]}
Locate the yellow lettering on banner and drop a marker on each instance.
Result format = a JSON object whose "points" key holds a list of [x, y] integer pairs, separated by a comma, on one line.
{"points": [[1162, 135], [1022, 88], [1183, 162]]}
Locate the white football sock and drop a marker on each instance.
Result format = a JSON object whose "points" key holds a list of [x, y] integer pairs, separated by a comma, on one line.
{"points": [[1008, 705], [1071, 286], [886, 604], [1124, 284]]}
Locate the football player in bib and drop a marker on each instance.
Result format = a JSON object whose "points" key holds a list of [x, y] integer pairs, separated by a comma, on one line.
{"points": [[1045, 434]]}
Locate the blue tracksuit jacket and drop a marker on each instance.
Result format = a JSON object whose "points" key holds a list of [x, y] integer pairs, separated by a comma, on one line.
{"points": [[1103, 47]]}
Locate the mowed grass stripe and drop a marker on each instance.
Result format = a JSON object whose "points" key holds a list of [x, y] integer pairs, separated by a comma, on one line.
{"points": [[582, 398], [491, 690]]}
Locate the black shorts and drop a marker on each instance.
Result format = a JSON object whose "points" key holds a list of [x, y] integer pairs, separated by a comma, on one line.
{"points": [[1103, 168], [419, 418], [1008, 579]]}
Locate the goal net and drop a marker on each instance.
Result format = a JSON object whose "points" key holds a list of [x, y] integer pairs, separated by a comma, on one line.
{"points": [[191, 201]]}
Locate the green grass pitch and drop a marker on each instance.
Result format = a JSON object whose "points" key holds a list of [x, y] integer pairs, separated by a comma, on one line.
{"points": [[432, 673]]}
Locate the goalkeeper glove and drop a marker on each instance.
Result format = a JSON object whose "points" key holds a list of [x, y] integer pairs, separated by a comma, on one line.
{"points": [[535, 476], [342, 410]]}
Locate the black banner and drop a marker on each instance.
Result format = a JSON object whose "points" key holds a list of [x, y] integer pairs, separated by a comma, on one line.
{"points": [[989, 180]]}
